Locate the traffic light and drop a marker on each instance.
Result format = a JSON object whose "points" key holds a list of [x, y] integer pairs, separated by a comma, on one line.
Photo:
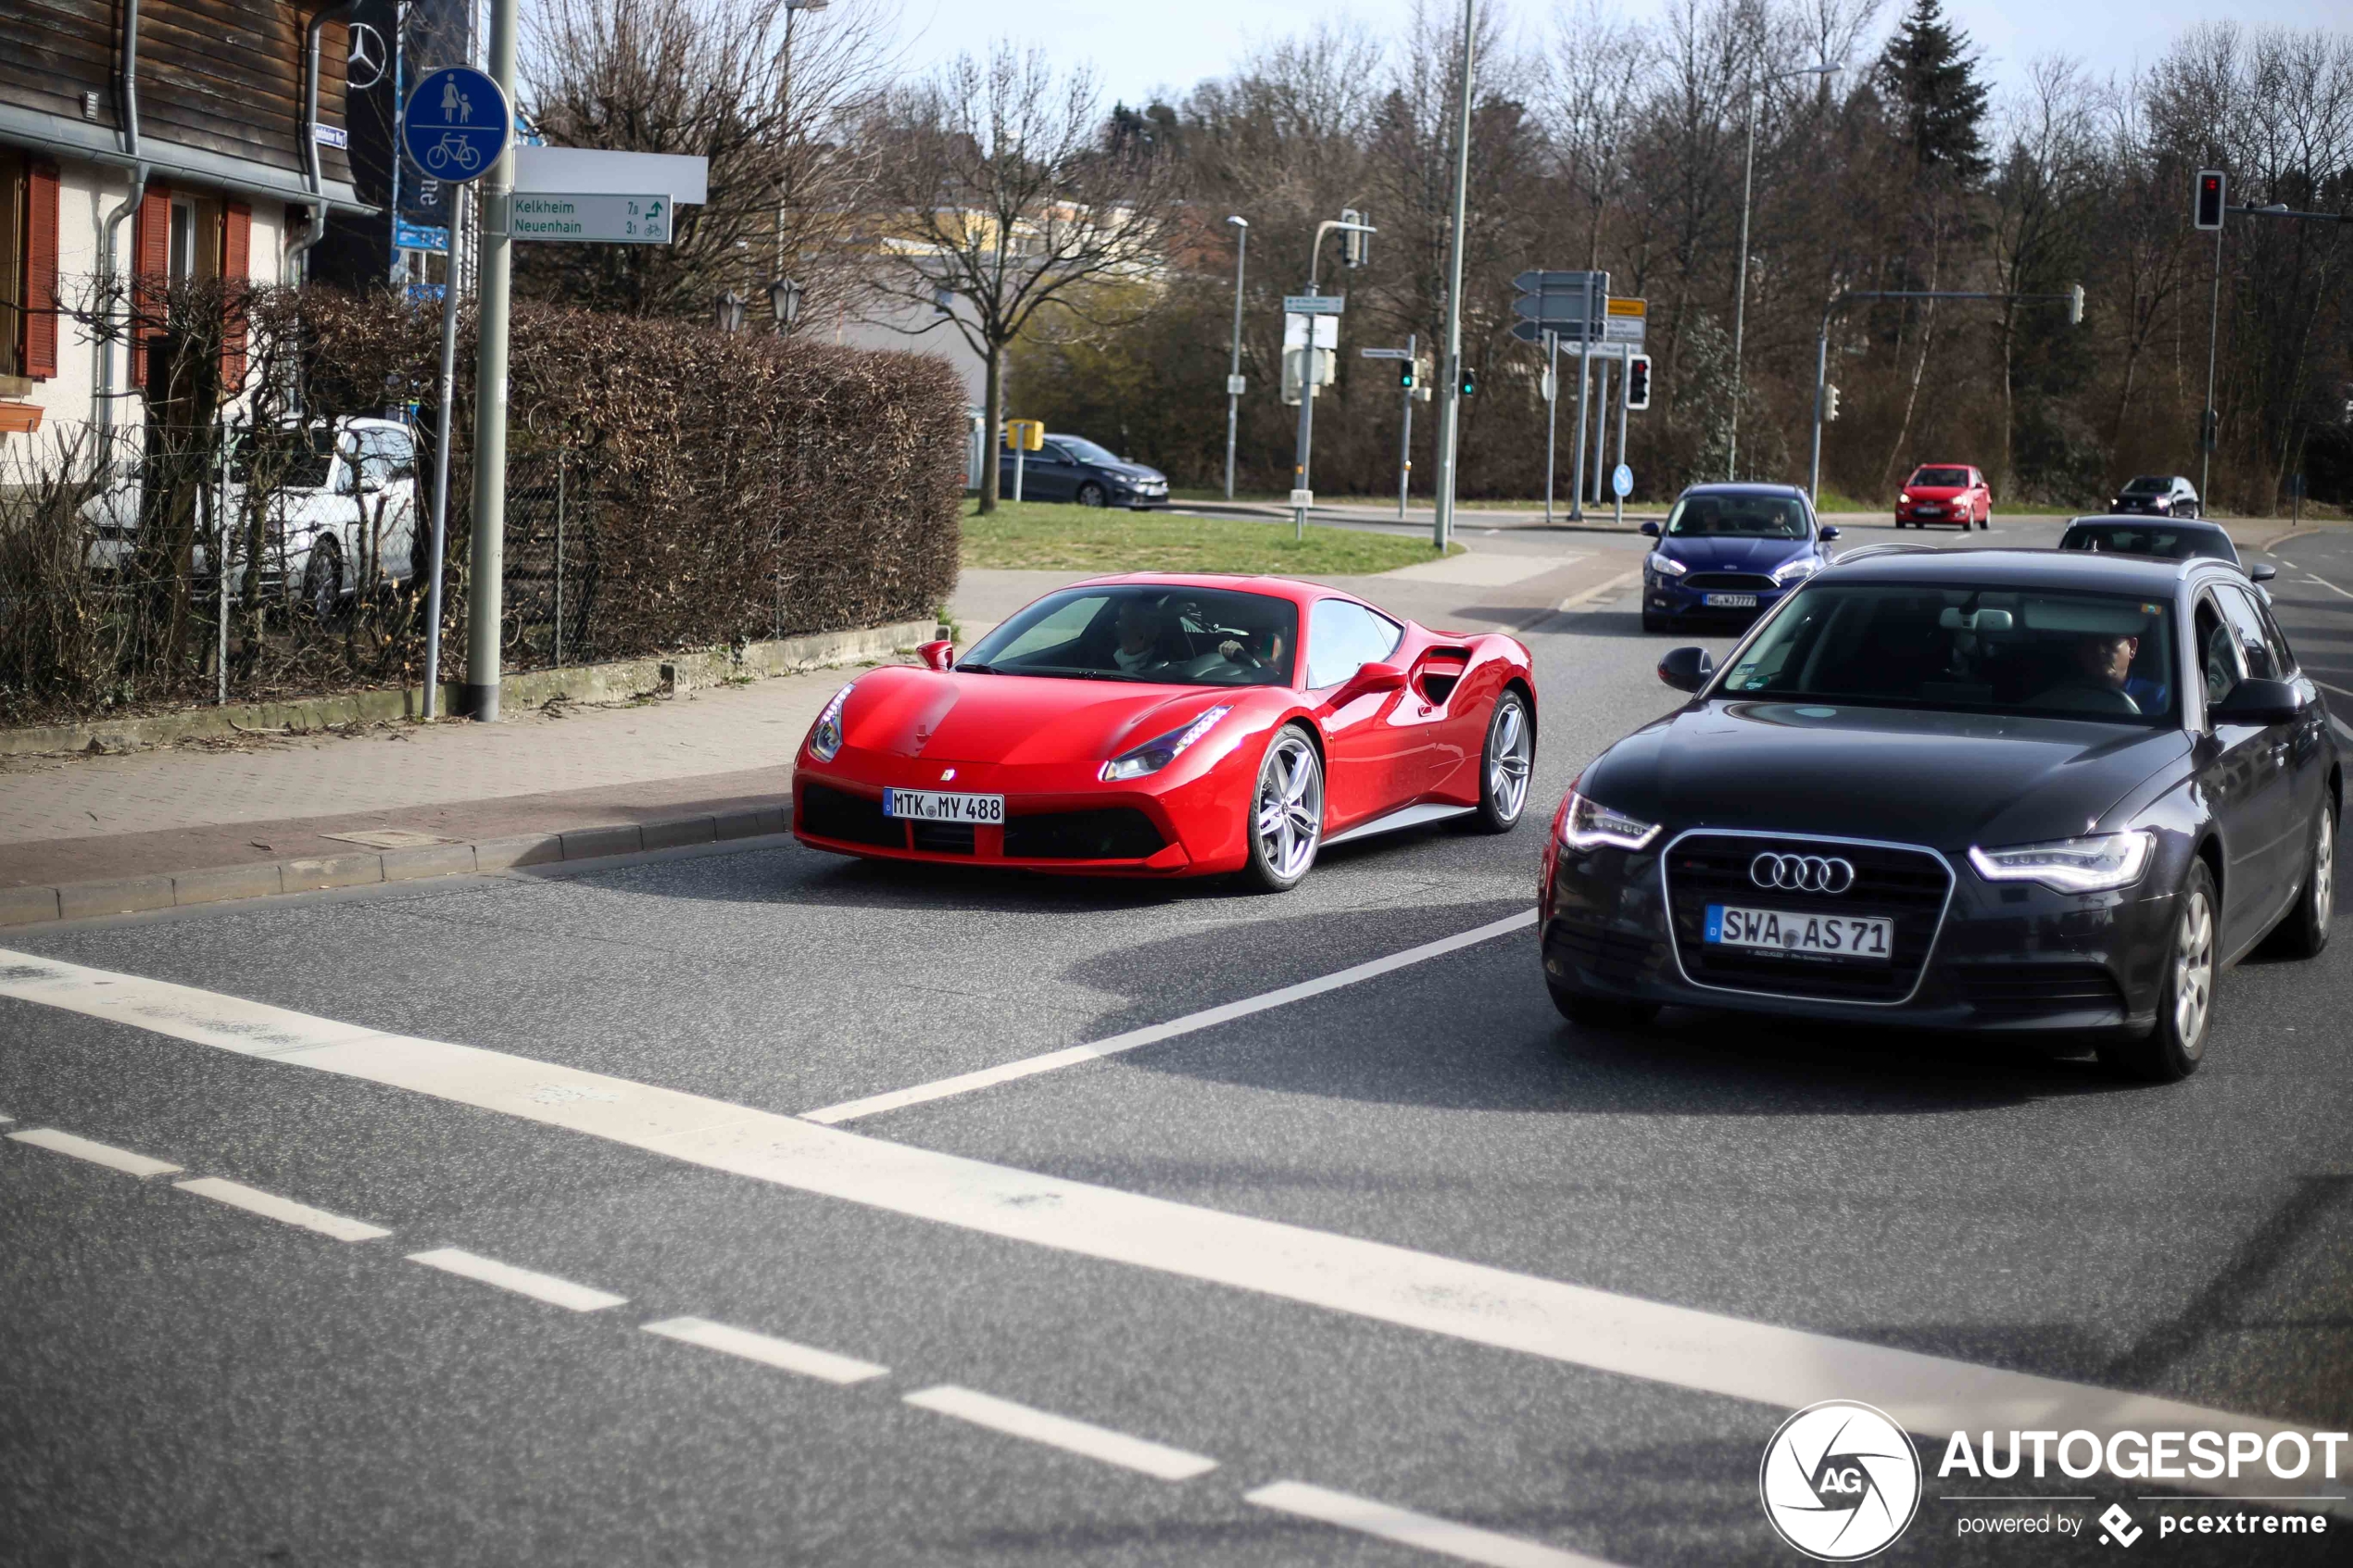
{"points": [[1406, 374], [1355, 245], [2075, 306], [1830, 403], [1470, 382], [2211, 186], [2208, 428], [1638, 381]]}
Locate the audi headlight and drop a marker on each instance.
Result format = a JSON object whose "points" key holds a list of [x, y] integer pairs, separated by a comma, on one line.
{"points": [[1797, 570], [1160, 751], [1589, 824], [825, 735], [2097, 864], [1667, 566]]}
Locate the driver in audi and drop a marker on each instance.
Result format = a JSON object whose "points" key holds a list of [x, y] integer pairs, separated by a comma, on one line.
{"points": [[2100, 675]]}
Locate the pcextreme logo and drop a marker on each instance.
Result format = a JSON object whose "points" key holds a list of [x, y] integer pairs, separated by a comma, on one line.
{"points": [[1839, 1481]]}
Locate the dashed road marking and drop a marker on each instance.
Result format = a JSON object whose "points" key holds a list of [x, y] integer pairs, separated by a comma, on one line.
{"points": [[285, 1210], [1029, 1067], [1156, 1459], [523, 1282], [806, 1359], [113, 1158], [1408, 1528]]}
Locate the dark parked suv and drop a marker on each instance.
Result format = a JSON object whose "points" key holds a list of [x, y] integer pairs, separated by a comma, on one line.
{"points": [[1071, 468]]}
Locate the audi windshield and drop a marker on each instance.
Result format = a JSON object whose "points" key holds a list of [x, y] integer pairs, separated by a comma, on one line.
{"points": [[2031, 651]]}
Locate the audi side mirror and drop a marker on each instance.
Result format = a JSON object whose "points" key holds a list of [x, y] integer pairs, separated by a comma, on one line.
{"points": [[1686, 669], [1829, 533], [938, 655], [2263, 572], [2260, 702], [1650, 529]]}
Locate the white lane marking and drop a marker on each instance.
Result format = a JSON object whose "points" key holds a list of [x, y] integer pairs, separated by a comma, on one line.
{"points": [[270, 1206], [806, 1359], [1080, 1437], [1408, 1528], [1580, 601], [2329, 586], [523, 1282], [1029, 1067], [1574, 1324], [113, 1158]]}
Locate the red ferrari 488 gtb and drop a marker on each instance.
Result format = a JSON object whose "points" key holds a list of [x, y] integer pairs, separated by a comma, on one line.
{"points": [[1156, 725]]}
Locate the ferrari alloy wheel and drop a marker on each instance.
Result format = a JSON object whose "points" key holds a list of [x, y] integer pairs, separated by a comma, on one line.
{"points": [[1511, 755], [2173, 1050], [1287, 812]]}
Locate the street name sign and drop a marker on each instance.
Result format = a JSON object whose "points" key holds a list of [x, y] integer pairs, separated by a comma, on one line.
{"points": [[456, 123], [1625, 322], [1385, 352], [1314, 304], [598, 218]]}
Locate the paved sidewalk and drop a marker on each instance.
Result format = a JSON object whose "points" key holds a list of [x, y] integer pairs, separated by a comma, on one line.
{"points": [[712, 752]]}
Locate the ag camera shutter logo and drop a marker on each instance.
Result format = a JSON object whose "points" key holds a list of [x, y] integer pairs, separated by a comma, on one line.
{"points": [[1839, 1481]]}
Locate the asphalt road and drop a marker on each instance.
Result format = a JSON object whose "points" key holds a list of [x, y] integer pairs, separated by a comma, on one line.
{"points": [[1322, 1243]]}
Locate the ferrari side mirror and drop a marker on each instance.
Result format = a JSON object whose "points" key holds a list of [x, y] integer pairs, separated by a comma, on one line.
{"points": [[1370, 680], [1686, 669], [938, 655]]}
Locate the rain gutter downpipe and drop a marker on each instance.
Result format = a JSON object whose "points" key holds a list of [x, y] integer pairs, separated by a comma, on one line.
{"points": [[102, 394], [298, 249]]}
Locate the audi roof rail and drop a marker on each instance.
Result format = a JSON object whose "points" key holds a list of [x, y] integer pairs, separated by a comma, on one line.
{"points": [[1902, 547]]}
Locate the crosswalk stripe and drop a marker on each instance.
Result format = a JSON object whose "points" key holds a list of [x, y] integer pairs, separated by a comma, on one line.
{"points": [[1573, 1325]]}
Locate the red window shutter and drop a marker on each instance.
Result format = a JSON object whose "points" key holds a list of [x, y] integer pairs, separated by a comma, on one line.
{"points": [[237, 262], [150, 273], [37, 338]]}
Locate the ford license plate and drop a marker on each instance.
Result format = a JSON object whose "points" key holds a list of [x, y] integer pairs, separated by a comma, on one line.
{"points": [[1730, 601], [940, 805], [1812, 936]]}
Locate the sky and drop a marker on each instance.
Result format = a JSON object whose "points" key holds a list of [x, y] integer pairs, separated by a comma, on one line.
{"points": [[1142, 46]]}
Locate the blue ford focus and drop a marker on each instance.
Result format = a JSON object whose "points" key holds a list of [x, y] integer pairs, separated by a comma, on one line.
{"points": [[1729, 552]]}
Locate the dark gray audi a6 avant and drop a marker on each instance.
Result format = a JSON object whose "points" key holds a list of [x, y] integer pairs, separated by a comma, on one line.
{"points": [[1968, 789]]}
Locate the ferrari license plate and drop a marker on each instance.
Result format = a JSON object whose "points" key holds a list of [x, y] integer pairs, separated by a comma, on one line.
{"points": [[1730, 601], [1813, 937], [938, 806]]}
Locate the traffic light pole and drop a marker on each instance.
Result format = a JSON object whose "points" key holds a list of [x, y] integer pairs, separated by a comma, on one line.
{"points": [[2207, 422], [1822, 348], [1584, 364], [1625, 390], [1450, 414], [1307, 373], [1406, 439]]}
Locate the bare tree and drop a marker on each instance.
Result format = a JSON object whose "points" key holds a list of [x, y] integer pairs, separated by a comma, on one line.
{"points": [[769, 94], [999, 190]]}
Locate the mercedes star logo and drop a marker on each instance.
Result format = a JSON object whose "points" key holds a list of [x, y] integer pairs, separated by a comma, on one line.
{"points": [[366, 66], [1801, 873]]}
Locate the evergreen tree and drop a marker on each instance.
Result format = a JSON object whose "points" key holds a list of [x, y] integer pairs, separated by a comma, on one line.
{"points": [[1927, 79]]}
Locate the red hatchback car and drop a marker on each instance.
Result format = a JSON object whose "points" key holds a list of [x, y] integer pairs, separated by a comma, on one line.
{"points": [[1953, 492], [1161, 725]]}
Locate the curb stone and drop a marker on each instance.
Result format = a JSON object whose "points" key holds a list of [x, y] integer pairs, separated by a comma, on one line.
{"points": [[120, 895]]}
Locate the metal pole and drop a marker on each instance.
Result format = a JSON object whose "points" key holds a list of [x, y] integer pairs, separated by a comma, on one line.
{"points": [[1405, 437], [1821, 378], [560, 554], [1624, 380], [2210, 425], [485, 591], [1021, 464], [446, 394], [1739, 298], [1601, 425], [1450, 415], [1551, 415], [1306, 408], [1584, 363], [217, 501], [1234, 365]]}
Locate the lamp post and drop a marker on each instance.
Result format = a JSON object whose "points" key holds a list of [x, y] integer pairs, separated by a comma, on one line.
{"points": [[784, 303], [727, 312], [1300, 477], [1740, 296], [1450, 413], [792, 8], [1234, 365]]}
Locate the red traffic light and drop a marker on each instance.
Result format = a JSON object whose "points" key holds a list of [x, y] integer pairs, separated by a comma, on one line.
{"points": [[2211, 188]]}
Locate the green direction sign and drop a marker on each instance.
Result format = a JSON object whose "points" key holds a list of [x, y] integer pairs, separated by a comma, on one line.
{"points": [[590, 218]]}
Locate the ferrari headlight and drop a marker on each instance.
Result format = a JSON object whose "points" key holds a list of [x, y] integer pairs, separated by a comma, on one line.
{"points": [[2099, 864], [1797, 570], [825, 735], [1667, 566], [1589, 824], [1160, 751]]}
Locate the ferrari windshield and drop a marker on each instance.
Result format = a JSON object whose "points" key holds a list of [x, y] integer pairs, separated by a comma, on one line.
{"points": [[2005, 650], [1147, 632], [1737, 516]]}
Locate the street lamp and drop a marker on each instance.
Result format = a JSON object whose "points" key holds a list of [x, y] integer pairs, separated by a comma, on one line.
{"points": [[727, 312], [1450, 413], [1234, 368], [1739, 298], [784, 303]]}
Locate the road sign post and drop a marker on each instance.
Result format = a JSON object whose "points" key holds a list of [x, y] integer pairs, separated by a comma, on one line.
{"points": [[1310, 305], [1552, 416], [1405, 437], [455, 125]]}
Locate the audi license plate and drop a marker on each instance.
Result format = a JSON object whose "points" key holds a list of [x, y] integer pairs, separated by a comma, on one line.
{"points": [[938, 806], [1730, 601], [1812, 936]]}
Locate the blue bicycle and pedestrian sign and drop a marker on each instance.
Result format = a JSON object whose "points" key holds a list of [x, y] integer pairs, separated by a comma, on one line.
{"points": [[456, 123]]}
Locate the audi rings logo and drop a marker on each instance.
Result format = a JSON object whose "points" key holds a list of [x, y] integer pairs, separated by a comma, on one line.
{"points": [[1801, 873], [1841, 1481]]}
